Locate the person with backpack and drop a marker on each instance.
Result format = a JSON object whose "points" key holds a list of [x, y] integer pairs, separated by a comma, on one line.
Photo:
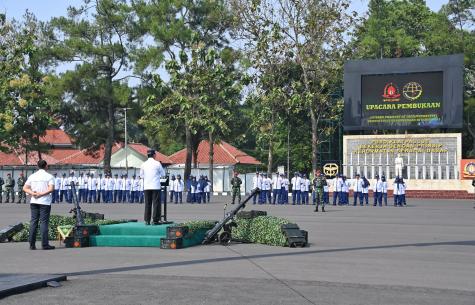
{"points": [[358, 190]]}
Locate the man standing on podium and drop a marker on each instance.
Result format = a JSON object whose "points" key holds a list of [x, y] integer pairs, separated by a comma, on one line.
{"points": [[151, 171]]}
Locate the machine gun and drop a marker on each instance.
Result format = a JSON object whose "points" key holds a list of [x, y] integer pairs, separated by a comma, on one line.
{"points": [[226, 224], [77, 208]]}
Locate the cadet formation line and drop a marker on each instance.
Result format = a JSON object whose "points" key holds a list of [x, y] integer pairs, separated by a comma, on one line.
{"points": [[274, 190]]}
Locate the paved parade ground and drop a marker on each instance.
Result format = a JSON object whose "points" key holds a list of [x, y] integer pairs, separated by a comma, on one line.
{"points": [[420, 254]]}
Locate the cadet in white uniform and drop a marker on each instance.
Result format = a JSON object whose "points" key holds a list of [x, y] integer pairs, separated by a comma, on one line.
{"points": [[92, 188], [304, 189], [63, 191], [385, 190], [57, 187], [257, 183], [179, 187], [378, 191], [276, 187], [295, 181], [357, 190]]}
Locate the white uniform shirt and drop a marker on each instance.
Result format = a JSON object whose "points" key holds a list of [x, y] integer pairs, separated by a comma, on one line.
{"points": [[135, 185], [304, 185], [403, 189], [207, 187], [276, 183], [378, 186], [101, 183], [39, 182], [326, 188], [64, 184], [71, 179], [358, 185], [141, 185], [337, 184], [152, 171], [179, 185], [345, 186], [128, 184], [92, 184], [286, 184], [257, 182], [82, 182], [296, 181], [57, 183], [117, 184], [398, 188], [266, 184], [385, 187]]}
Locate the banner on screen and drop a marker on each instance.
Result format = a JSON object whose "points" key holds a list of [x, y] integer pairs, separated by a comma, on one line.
{"points": [[408, 93]]}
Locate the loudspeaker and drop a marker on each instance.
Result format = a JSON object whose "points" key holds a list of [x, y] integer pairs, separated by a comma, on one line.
{"points": [[86, 230], [176, 232], [171, 243], [7, 233], [295, 237]]}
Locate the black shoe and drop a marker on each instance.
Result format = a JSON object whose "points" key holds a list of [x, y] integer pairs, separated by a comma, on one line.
{"points": [[49, 247], [316, 210], [147, 223], [32, 247], [323, 209]]}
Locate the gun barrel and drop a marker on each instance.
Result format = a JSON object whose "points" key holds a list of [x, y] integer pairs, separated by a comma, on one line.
{"points": [[211, 234]]}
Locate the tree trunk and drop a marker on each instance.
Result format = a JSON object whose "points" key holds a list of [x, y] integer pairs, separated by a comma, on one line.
{"points": [[314, 122], [271, 146], [188, 154], [211, 158], [110, 129]]}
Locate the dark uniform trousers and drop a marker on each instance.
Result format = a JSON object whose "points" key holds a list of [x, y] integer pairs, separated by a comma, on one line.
{"points": [[39, 212], [152, 199]]}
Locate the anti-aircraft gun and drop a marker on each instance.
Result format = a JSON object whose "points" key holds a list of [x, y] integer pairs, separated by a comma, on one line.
{"points": [[227, 223]]}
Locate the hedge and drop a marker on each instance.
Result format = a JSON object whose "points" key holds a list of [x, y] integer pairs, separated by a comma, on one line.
{"points": [[54, 222], [262, 230]]}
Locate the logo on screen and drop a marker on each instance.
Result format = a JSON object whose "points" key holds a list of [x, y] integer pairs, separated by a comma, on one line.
{"points": [[469, 169], [412, 91], [391, 93]]}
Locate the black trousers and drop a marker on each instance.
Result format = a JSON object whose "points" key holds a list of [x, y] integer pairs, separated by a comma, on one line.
{"points": [[39, 212], [152, 199]]}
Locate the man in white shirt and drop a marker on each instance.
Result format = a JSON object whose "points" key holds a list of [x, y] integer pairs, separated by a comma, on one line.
{"points": [[57, 187], [257, 183], [357, 190], [39, 186], [64, 188], [117, 188], [151, 171], [82, 186], [276, 187], [304, 188], [179, 186], [377, 191], [285, 193], [295, 181], [266, 186], [92, 187]]}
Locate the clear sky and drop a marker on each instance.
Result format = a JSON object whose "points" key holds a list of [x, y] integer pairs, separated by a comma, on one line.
{"points": [[45, 9]]}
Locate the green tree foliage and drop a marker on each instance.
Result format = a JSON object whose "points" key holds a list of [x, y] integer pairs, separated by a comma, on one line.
{"points": [[27, 105], [179, 29], [94, 37]]}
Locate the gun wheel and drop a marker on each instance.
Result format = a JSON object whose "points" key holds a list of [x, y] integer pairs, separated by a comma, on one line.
{"points": [[224, 238]]}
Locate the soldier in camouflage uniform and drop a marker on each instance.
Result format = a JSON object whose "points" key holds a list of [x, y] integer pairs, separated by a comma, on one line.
{"points": [[318, 183], [10, 188], [21, 194], [1, 189], [236, 185]]}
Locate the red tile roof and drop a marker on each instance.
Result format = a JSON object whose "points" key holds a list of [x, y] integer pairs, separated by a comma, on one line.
{"points": [[142, 149], [56, 137], [224, 154]]}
